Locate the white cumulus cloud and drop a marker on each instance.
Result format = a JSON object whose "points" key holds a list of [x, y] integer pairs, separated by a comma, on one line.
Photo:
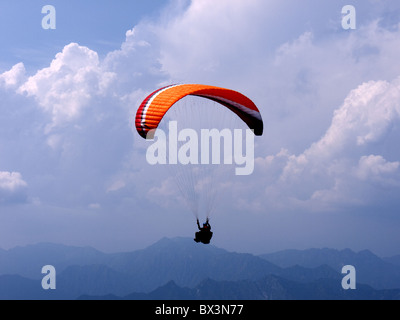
{"points": [[338, 167], [68, 85], [377, 169], [12, 187], [14, 77], [11, 181]]}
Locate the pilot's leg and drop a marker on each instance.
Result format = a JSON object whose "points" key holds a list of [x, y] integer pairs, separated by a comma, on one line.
{"points": [[197, 237]]}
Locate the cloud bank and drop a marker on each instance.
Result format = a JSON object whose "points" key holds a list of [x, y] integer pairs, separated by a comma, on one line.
{"points": [[329, 98], [292, 85]]}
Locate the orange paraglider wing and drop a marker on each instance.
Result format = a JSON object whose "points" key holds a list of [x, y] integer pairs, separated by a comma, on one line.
{"points": [[156, 105]]}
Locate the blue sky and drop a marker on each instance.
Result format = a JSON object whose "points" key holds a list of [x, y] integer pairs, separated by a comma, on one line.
{"points": [[327, 171], [101, 25]]}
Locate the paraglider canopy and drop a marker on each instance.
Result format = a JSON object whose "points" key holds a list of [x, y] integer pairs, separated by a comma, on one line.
{"points": [[156, 105]]}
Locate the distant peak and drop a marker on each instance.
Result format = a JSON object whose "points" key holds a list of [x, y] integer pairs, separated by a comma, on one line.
{"points": [[367, 253]]}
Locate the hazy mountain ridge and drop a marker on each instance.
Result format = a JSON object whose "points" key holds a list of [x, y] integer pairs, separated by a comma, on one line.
{"points": [[393, 260], [268, 288], [28, 261], [196, 272], [372, 270]]}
